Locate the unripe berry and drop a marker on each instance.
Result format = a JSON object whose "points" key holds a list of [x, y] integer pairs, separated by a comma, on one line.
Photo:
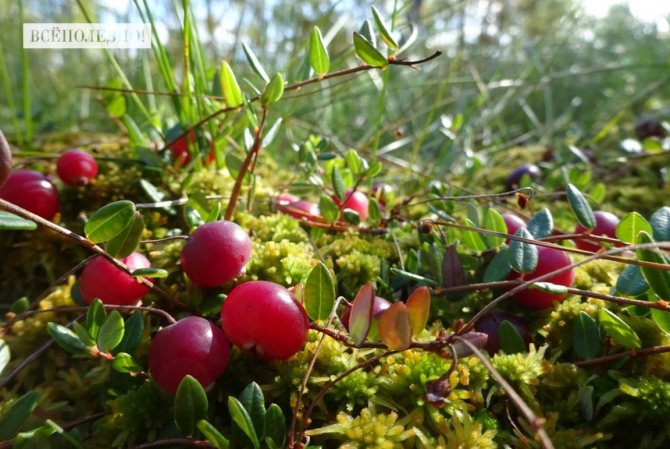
{"points": [[76, 167], [356, 201], [606, 223], [5, 159], [490, 325], [32, 191], [264, 318], [216, 253], [549, 259], [192, 346], [100, 279]]}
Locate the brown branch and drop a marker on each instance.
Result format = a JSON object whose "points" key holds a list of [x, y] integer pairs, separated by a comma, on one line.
{"points": [[176, 441], [621, 355]]}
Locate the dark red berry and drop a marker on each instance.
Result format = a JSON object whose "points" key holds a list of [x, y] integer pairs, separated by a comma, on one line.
{"points": [[264, 318], [5, 159], [380, 304], [650, 127], [216, 253], [356, 201], [32, 191], [100, 279], [490, 325], [302, 209], [513, 223], [606, 223], [179, 149], [514, 178], [192, 346], [76, 167], [549, 259]]}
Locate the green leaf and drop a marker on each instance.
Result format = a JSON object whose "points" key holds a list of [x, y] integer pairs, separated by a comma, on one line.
{"points": [[123, 244], [580, 207], [125, 363], [658, 280], [511, 340], [541, 224], [111, 332], [230, 87], [253, 402], [383, 31], [498, 268], [368, 53], [319, 293], [274, 90], [473, 240], [95, 316], [83, 334], [338, 183], [586, 337], [662, 319], [361, 313], [618, 329], [108, 221], [318, 55], [548, 287], [355, 163], [190, 405], [243, 420], [134, 328], [66, 339], [374, 213], [493, 221], [255, 64], [213, 435], [37, 437], [16, 415], [117, 107], [5, 355], [150, 273], [597, 193], [11, 222], [631, 281], [375, 169], [329, 210], [630, 226], [275, 426], [412, 276], [585, 394], [351, 216], [660, 224], [522, 256], [368, 32]]}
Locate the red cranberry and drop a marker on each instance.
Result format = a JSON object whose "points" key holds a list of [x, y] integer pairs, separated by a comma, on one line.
{"points": [[100, 279], [549, 259], [513, 223], [380, 304], [284, 200], [76, 167], [5, 159], [216, 253], [356, 201], [302, 209], [490, 325], [513, 180], [192, 346], [179, 149], [264, 318], [32, 191], [606, 223]]}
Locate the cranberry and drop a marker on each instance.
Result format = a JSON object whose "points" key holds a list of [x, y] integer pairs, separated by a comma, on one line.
{"points": [[302, 209], [606, 223], [32, 191], [513, 223], [5, 159], [650, 127], [549, 259], [379, 305], [284, 200], [490, 325], [264, 318], [192, 346], [513, 180], [100, 279], [179, 149], [216, 253], [356, 201], [76, 167]]}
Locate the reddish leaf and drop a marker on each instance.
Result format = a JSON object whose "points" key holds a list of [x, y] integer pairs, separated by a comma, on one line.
{"points": [[394, 327], [418, 306], [361, 313], [453, 274]]}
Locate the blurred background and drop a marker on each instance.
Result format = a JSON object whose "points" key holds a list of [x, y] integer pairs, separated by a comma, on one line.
{"points": [[513, 72]]}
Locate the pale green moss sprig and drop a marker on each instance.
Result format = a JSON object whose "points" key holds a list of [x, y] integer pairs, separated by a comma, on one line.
{"points": [[462, 431], [283, 262], [275, 227], [562, 437], [522, 368], [652, 394]]}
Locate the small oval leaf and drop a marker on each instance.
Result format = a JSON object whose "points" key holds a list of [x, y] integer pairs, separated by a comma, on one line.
{"points": [[586, 337], [660, 224], [541, 224], [274, 90], [368, 53], [150, 272], [241, 417], [478, 339], [383, 31], [361, 313], [631, 281], [109, 221], [190, 405], [111, 332], [319, 293], [275, 426], [213, 435], [66, 339], [499, 267], [511, 341], [395, 328], [134, 328], [453, 273], [230, 87], [338, 183], [580, 207], [255, 63], [630, 227], [522, 256], [473, 240], [329, 210], [253, 402], [11, 222], [493, 221], [124, 243], [549, 287], [318, 55], [618, 329], [125, 363], [658, 280], [95, 316], [418, 307], [16, 415]]}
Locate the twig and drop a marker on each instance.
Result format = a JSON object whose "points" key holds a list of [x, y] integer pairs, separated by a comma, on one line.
{"points": [[613, 357], [175, 442]]}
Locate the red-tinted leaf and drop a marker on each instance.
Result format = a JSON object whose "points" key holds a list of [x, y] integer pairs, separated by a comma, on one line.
{"points": [[418, 306], [453, 274], [394, 327], [361, 313]]}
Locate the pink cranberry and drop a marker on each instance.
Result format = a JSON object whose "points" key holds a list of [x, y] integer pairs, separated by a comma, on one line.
{"points": [[76, 167], [284, 200], [192, 346], [606, 223], [32, 191], [100, 279], [356, 201], [513, 223]]}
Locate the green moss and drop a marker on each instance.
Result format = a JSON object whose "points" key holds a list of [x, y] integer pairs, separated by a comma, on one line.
{"points": [[283, 262]]}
